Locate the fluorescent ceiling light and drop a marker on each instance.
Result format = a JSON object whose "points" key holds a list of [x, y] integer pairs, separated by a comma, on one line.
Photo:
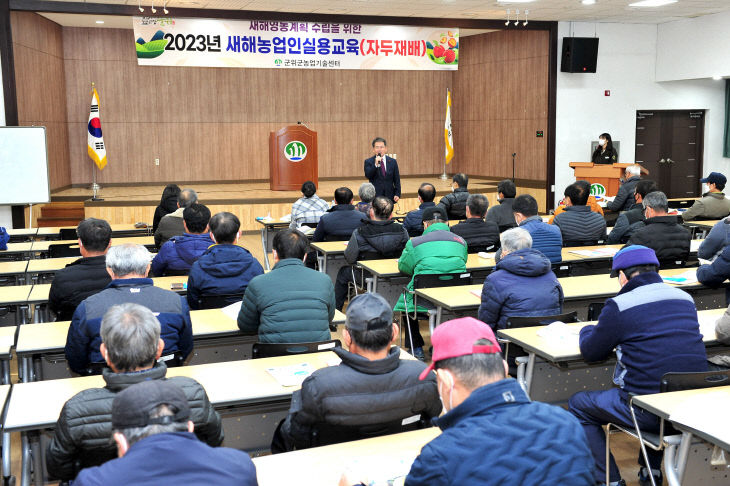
{"points": [[588, 2], [99, 21], [515, 1], [652, 3], [717, 78]]}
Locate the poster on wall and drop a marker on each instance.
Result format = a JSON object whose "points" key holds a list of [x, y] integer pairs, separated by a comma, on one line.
{"points": [[169, 41]]}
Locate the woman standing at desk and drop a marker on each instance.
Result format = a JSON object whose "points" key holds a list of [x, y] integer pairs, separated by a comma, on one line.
{"points": [[604, 153]]}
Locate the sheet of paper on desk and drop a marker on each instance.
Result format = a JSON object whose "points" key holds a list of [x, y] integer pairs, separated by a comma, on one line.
{"points": [[485, 255], [684, 278], [558, 331], [707, 323], [381, 470], [232, 310], [600, 252], [694, 245], [705, 411], [477, 293], [292, 375]]}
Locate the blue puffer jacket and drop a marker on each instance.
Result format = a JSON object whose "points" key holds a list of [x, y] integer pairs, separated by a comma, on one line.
{"points": [[223, 269], [545, 237], [4, 238], [338, 223], [413, 222], [716, 241], [715, 274], [180, 252], [521, 285], [519, 442], [84, 338]]}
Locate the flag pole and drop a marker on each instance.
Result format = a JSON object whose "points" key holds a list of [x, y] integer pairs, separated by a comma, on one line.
{"points": [[444, 176], [94, 186]]}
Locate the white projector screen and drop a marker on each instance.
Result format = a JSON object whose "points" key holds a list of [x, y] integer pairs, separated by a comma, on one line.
{"points": [[24, 165]]}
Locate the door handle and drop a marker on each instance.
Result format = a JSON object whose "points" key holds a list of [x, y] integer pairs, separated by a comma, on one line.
{"points": [[669, 161], [662, 161]]}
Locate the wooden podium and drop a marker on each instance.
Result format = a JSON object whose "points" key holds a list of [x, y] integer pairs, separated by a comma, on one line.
{"points": [[607, 175], [292, 158]]}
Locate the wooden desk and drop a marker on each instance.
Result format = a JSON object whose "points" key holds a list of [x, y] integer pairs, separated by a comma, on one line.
{"points": [[17, 249], [42, 246], [38, 267], [21, 234], [268, 230], [16, 296], [118, 230], [561, 357], [325, 465], [14, 269], [695, 413], [7, 341], [330, 250]]}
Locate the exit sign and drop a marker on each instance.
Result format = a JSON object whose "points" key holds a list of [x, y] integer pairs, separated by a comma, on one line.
{"points": [[539, 134]]}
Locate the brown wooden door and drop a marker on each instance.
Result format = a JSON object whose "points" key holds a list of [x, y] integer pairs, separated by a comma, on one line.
{"points": [[669, 144]]}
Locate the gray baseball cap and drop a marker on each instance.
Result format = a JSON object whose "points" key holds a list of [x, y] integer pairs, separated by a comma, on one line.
{"points": [[367, 312]]}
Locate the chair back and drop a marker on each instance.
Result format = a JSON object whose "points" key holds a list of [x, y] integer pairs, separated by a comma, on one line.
{"points": [[594, 310], [171, 361], [505, 227], [571, 243], [324, 434], [175, 273], [218, 301], [532, 321], [431, 280], [61, 250], [694, 380], [68, 234], [269, 350]]}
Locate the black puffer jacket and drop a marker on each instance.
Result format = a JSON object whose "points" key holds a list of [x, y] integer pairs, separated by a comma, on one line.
{"points": [[376, 239], [84, 428], [360, 392], [668, 239], [166, 206], [479, 235], [455, 203], [79, 280]]}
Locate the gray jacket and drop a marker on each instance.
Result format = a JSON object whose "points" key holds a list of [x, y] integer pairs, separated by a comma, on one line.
{"points": [[579, 224], [170, 225], [625, 196], [502, 213], [627, 222], [722, 329], [713, 205], [84, 428], [360, 392]]}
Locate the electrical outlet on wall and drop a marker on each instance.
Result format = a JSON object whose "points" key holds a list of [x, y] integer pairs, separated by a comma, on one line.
{"points": [[157, 161]]}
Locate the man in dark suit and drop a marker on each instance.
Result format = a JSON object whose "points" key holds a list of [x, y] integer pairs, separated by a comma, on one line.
{"points": [[382, 171]]}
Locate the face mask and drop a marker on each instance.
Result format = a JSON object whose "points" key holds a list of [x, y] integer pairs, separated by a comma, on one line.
{"points": [[601, 142], [451, 395]]}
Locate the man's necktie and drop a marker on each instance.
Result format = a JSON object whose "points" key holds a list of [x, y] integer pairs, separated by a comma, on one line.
{"points": [[382, 166]]}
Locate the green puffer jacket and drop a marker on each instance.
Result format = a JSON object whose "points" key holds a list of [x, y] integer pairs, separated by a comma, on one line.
{"points": [[290, 304], [437, 251]]}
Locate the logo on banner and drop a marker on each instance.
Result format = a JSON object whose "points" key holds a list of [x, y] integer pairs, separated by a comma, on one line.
{"points": [[154, 48], [597, 190], [295, 151]]}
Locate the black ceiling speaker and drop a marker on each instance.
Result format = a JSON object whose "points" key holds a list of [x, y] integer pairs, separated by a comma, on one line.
{"points": [[580, 55]]}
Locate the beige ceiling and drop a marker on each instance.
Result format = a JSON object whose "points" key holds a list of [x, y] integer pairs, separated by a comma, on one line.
{"points": [[602, 11]]}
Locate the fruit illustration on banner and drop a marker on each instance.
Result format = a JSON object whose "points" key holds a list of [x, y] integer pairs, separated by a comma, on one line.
{"points": [[444, 49]]}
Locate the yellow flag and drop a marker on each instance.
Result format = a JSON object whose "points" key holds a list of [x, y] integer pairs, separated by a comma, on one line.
{"points": [[95, 141], [448, 135]]}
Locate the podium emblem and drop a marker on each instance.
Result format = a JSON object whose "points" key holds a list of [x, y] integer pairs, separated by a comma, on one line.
{"points": [[597, 190], [295, 151]]}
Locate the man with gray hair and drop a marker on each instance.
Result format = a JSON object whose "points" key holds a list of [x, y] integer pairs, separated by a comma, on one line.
{"points": [[662, 232], [625, 196], [367, 194], [131, 347], [128, 266], [523, 283], [155, 442], [172, 224]]}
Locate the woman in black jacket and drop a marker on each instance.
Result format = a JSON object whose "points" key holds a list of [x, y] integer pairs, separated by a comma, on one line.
{"points": [[604, 153], [168, 204]]}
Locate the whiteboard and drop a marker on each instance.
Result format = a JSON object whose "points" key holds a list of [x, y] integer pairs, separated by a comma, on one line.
{"points": [[23, 165]]}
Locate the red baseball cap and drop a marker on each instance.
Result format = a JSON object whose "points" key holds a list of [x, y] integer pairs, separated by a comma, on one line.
{"points": [[456, 338]]}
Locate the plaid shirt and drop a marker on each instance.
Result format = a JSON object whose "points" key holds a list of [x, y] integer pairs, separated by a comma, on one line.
{"points": [[307, 210]]}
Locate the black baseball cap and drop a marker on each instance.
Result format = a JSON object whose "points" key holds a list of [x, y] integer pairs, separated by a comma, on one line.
{"points": [[132, 406], [428, 213], [367, 312]]}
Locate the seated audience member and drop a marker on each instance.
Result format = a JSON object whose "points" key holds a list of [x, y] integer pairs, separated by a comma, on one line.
{"points": [[653, 328], [545, 237], [413, 221], [172, 224], [87, 275], [179, 253], [722, 330], [168, 204], [633, 219], [341, 220], [437, 251], [455, 203], [4, 238], [502, 213], [291, 303], [377, 237], [715, 273], [308, 208], [367, 194], [479, 235], [153, 432], [131, 346], [662, 232], [491, 432], [225, 268], [523, 283], [592, 203], [625, 196], [371, 386], [713, 204], [128, 266], [578, 224]]}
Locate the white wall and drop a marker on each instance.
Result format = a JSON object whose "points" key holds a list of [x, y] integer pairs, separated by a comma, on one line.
{"points": [[694, 48], [626, 66], [6, 219]]}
